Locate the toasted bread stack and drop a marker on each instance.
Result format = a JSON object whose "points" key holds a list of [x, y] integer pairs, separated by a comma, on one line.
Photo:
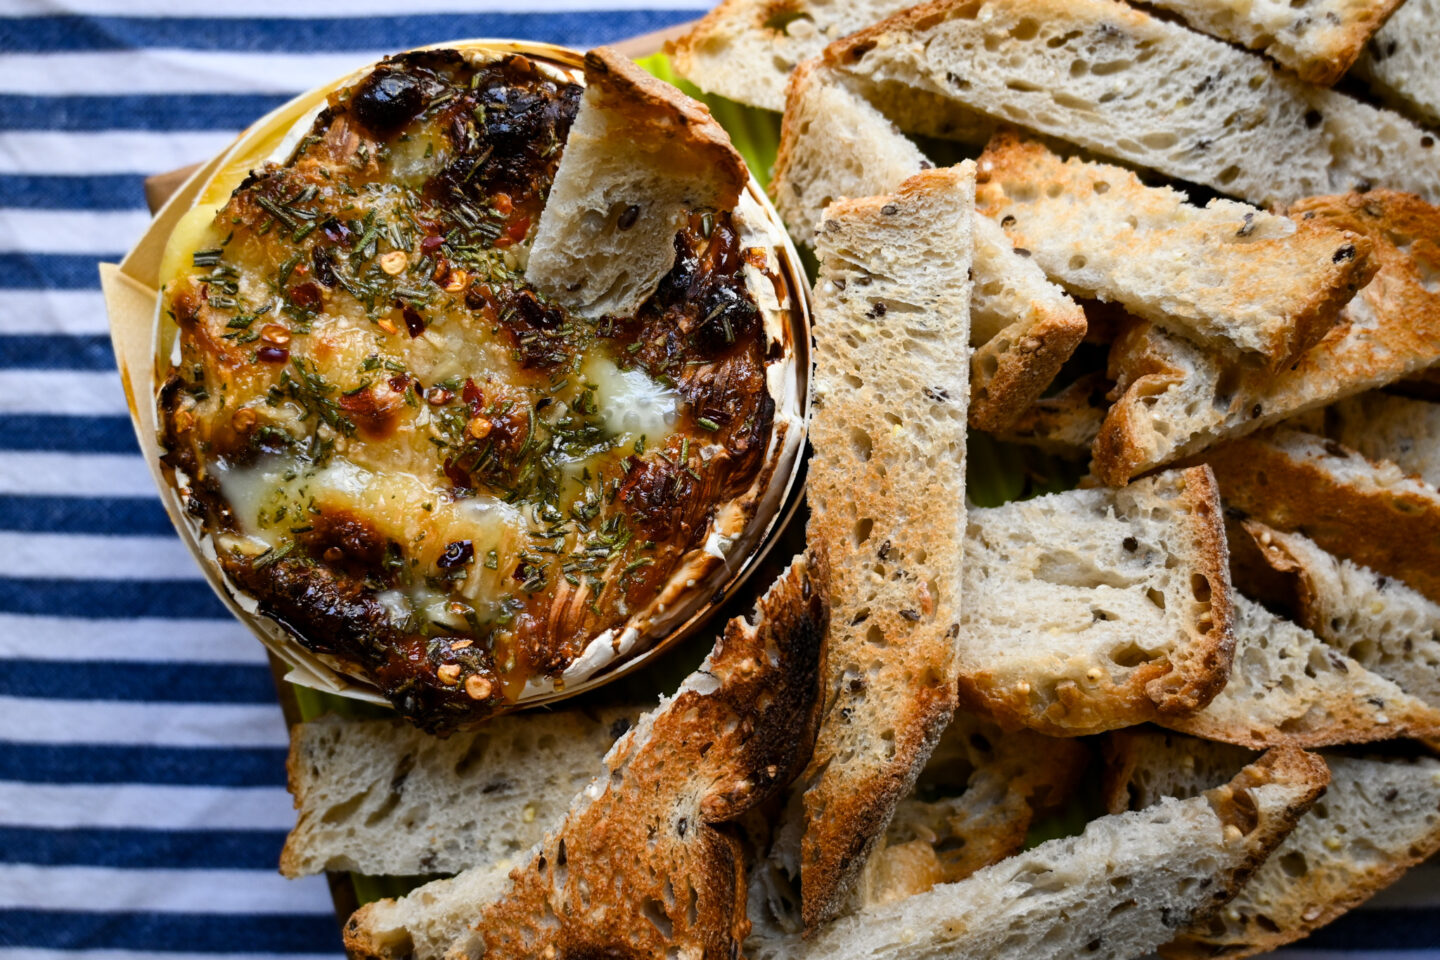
{"points": [[1195, 264]]}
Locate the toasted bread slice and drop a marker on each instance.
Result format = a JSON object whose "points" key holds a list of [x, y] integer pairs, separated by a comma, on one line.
{"points": [[1144, 765], [1385, 626], [1115, 892], [1066, 423], [1399, 60], [382, 798], [640, 157], [1177, 399], [1383, 426], [987, 786], [1023, 329], [1288, 687], [1318, 41], [887, 490], [1373, 147], [1378, 818], [1366, 512], [1095, 609], [1129, 85], [640, 862], [746, 49], [1246, 280], [834, 144]]}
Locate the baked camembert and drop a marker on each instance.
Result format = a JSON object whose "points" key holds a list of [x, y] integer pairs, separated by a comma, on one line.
{"points": [[431, 475]]}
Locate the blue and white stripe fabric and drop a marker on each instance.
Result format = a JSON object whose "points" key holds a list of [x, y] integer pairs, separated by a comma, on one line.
{"points": [[142, 797], [142, 800]]}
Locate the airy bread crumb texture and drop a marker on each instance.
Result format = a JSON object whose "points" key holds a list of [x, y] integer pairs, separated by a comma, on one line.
{"points": [[1225, 275], [1387, 627], [382, 798], [640, 157], [746, 49], [1399, 63], [1288, 687], [1377, 818], [886, 490], [1115, 892], [1128, 85], [1368, 512], [1175, 399], [1094, 609], [1318, 40]]}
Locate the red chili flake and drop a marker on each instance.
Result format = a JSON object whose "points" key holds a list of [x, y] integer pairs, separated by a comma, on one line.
{"points": [[399, 382], [413, 321], [518, 228], [306, 296], [269, 354], [438, 396], [431, 244], [471, 394], [502, 203]]}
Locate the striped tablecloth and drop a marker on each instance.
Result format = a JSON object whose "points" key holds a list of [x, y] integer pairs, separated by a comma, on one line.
{"points": [[142, 801]]}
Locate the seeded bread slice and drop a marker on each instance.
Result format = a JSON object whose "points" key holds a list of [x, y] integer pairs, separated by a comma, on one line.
{"points": [[1094, 609], [1176, 399], [1288, 687], [1066, 423], [1383, 426], [1378, 818], [985, 786], [1366, 512], [1226, 275], [1382, 624], [382, 798], [641, 863], [1129, 85], [1114, 892], [1023, 329], [1319, 41], [746, 49], [1399, 60], [639, 158], [886, 489], [834, 144]]}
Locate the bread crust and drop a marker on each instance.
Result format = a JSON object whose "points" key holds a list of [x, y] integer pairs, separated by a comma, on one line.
{"points": [[650, 831], [1022, 367], [664, 119], [1385, 523]]}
